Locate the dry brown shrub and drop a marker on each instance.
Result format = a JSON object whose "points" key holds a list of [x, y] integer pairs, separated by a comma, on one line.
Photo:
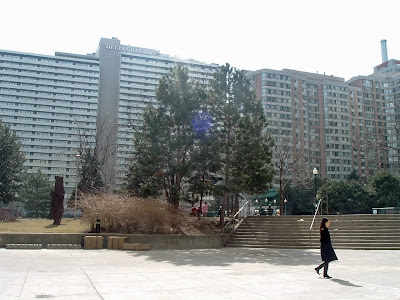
{"points": [[119, 213], [6, 215]]}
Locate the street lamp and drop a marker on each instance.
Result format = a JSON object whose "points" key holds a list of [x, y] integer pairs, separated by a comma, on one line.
{"points": [[285, 205], [77, 156], [315, 172]]}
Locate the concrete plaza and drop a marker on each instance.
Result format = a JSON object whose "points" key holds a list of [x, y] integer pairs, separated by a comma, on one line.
{"points": [[230, 273]]}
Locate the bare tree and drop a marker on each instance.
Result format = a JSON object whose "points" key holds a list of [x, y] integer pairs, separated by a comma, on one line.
{"points": [[99, 147], [287, 163]]}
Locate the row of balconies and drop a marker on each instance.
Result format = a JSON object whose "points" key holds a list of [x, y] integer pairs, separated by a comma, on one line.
{"points": [[47, 109], [50, 75], [48, 82], [58, 69], [48, 88], [56, 62]]}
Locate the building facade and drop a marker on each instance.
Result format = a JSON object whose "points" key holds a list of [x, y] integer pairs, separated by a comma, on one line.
{"points": [[45, 100], [129, 77], [55, 102], [324, 122]]}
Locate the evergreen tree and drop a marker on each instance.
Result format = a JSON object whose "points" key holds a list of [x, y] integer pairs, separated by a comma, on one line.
{"points": [[353, 176], [206, 155], [386, 189], [145, 173], [90, 176], [252, 171], [240, 122], [162, 148], [11, 164], [35, 194], [301, 198], [346, 197]]}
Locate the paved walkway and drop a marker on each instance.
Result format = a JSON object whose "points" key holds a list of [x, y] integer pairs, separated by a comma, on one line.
{"points": [[196, 274]]}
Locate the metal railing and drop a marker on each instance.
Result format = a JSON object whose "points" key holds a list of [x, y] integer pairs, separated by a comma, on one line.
{"points": [[234, 216], [313, 220]]}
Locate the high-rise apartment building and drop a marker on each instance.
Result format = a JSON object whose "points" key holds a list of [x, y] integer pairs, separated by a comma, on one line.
{"points": [[309, 119], [50, 101], [45, 99], [129, 77], [324, 122]]}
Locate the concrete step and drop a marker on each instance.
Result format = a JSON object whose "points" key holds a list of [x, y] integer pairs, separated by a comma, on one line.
{"points": [[317, 238], [335, 233], [347, 232], [363, 247]]}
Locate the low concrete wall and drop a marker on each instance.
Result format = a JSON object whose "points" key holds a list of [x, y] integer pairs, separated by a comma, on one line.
{"points": [[157, 241]]}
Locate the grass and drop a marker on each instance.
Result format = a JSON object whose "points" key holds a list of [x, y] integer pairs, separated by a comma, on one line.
{"points": [[44, 226]]}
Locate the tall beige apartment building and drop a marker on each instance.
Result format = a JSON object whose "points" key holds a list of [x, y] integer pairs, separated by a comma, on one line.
{"points": [[336, 126]]}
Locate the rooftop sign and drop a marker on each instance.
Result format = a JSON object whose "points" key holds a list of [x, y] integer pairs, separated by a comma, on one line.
{"points": [[131, 49]]}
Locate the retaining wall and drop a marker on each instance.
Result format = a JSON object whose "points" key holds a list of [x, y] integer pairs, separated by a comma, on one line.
{"points": [[157, 241]]}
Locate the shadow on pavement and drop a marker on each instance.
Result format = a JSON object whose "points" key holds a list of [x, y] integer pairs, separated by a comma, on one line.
{"points": [[345, 282], [53, 226], [228, 256]]}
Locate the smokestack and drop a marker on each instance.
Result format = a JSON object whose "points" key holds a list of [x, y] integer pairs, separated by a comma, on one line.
{"points": [[384, 51]]}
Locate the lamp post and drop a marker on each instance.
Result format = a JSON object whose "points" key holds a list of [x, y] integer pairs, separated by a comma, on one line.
{"points": [[315, 172], [285, 205], [77, 156]]}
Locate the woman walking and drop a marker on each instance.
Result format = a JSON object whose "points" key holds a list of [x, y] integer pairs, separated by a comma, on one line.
{"points": [[327, 252]]}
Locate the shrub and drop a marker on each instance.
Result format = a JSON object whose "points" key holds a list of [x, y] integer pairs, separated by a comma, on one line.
{"points": [[7, 215], [119, 213]]}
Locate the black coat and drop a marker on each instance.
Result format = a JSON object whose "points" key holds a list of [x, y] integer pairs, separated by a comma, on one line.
{"points": [[327, 252]]}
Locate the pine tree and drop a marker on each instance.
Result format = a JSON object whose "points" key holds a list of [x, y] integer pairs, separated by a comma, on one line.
{"points": [[90, 175], [246, 150], [206, 154], [11, 164], [163, 146], [35, 194], [252, 171]]}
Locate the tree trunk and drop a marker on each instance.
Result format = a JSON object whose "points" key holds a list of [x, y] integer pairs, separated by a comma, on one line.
{"points": [[228, 206], [227, 169], [201, 203]]}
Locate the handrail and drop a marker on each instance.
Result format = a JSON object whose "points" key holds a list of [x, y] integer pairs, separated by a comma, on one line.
{"points": [[316, 211], [233, 218], [315, 214]]}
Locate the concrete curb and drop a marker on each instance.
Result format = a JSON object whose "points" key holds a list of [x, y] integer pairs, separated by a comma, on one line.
{"points": [[156, 241]]}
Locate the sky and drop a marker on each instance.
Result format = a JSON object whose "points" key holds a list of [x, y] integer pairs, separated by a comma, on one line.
{"points": [[340, 38]]}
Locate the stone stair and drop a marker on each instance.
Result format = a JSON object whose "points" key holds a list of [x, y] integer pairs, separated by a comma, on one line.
{"points": [[347, 232]]}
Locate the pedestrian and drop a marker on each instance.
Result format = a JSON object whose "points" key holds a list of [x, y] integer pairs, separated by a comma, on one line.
{"points": [[205, 209], [219, 211], [269, 210], [193, 211], [327, 252]]}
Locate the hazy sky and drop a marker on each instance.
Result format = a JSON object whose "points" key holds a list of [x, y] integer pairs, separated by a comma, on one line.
{"points": [[340, 38]]}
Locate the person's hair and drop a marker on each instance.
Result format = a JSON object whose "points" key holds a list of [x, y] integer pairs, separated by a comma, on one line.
{"points": [[323, 224]]}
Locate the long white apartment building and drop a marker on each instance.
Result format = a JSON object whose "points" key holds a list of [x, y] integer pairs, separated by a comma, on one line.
{"points": [[45, 99], [50, 101]]}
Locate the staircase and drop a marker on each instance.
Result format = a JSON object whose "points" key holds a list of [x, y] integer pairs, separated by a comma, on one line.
{"points": [[347, 232]]}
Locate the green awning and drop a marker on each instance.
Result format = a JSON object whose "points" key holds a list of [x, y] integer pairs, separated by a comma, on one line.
{"points": [[270, 196]]}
